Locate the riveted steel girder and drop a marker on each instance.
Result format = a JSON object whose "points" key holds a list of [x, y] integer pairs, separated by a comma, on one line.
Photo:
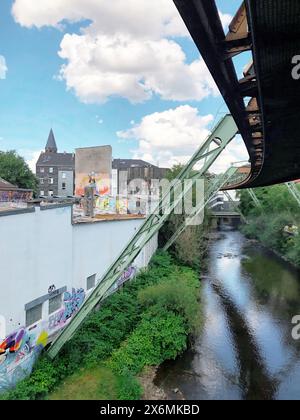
{"points": [[211, 149]]}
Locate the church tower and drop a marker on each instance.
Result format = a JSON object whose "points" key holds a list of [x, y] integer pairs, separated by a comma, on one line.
{"points": [[51, 143]]}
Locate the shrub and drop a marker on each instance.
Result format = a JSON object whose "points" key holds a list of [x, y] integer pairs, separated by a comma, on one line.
{"points": [[179, 293], [129, 388], [157, 338], [156, 332]]}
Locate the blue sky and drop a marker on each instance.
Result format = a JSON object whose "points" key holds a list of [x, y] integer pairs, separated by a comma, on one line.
{"points": [[33, 99]]}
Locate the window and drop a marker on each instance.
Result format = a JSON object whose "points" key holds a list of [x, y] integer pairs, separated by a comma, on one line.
{"points": [[50, 170], [42, 193], [64, 175], [63, 185], [51, 181], [55, 304], [91, 282], [50, 193], [42, 181], [34, 315], [42, 170]]}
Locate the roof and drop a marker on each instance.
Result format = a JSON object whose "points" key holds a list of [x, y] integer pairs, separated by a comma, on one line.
{"points": [[56, 159], [6, 185], [131, 163], [51, 143]]}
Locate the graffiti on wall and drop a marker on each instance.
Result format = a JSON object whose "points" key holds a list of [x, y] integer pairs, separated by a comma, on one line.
{"points": [[15, 196], [72, 303], [100, 183], [129, 274], [18, 354], [111, 205], [20, 350]]}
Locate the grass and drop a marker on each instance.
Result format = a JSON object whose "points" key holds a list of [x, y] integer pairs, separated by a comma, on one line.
{"points": [[96, 384]]}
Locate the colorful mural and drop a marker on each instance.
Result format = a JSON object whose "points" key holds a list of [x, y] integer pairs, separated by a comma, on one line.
{"points": [[18, 354], [20, 350], [129, 274], [100, 183], [111, 205], [15, 196], [72, 302]]}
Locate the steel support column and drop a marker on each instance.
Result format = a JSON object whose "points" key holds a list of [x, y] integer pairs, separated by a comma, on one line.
{"points": [[254, 197], [207, 154], [294, 191], [213, 189], [238, 210]]}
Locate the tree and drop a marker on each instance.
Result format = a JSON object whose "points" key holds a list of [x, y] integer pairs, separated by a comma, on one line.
{"points": [[15, 170]]}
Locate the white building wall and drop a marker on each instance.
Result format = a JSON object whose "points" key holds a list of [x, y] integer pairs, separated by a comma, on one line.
{"points": [[41, 248], [35, 252]]}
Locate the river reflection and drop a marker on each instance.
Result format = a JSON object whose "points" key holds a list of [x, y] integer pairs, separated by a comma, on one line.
{"points": [[245, 350]]}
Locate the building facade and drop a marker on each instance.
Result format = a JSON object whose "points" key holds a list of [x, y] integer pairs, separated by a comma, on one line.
{"points": [[128, 175], [55, 171], [59, 264], [93, 168]]}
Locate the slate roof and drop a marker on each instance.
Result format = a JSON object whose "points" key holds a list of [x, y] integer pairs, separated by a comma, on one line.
{"points": [[51, 143], [123, 164], [6, 185], [56, 159]]}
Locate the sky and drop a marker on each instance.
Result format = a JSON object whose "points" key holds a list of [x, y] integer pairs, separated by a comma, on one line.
{"points": [[99, 74]]}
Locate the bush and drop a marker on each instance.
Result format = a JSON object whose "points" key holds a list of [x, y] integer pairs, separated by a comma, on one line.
{"points": [[157, 327], [179, 294], [267, 223], [129, 388], [157, 338]]}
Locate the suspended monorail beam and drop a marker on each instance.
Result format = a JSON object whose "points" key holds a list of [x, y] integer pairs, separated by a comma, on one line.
{"points": [[207, 154]]}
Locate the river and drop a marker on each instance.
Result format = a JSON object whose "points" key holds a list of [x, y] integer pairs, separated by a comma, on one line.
{"points": [[245, 350]]}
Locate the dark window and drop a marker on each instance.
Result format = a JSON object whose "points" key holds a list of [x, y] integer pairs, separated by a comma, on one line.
{"points": [[91, 282], [34, 315], [55, 304]]}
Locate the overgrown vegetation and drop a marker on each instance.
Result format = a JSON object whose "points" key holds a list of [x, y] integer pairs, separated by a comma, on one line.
{"points": [[190, 248], [279, 208], [145, 323]]}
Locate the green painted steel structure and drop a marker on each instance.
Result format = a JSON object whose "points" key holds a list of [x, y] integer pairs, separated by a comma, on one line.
{"points": [[207, 154], [294, 191], [236, 207], [217, 183], [254, 198]]}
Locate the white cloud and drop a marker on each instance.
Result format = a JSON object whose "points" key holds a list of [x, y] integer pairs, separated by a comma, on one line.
{"points": [[130, 52], [31, 157], [235, 152], [225, 19], [173, 136], [169, 137], [3, 67]]}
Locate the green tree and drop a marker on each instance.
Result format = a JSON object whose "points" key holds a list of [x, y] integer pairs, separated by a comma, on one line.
{"points": [[266, 223], [15, 170]]}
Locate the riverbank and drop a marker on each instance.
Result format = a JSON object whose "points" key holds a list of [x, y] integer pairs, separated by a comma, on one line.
{"points": [[267, 222], [245, 350], [147, 322]]}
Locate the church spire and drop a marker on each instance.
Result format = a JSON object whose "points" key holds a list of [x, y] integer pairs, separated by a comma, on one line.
{"points": [[51, 143]]}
